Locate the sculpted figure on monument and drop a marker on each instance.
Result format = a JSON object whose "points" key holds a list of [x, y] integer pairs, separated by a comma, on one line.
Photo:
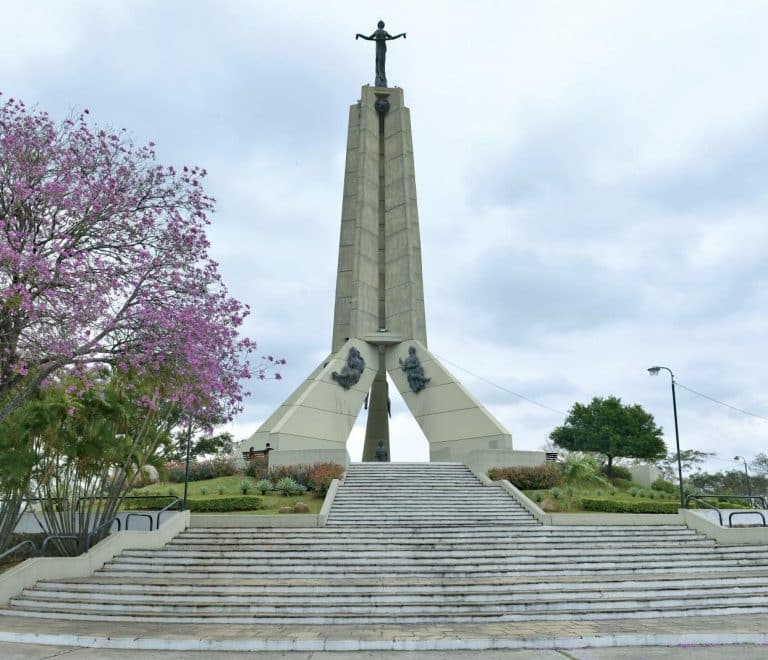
{"points": [[380, 36], [352, 371], [381, 453], [414, 372]]}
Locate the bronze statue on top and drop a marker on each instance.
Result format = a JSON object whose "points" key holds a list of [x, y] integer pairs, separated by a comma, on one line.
{"points": [[380, 36]]}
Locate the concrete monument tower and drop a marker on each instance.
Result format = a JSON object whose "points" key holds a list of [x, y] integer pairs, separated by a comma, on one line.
{"points": [[379, 324]]}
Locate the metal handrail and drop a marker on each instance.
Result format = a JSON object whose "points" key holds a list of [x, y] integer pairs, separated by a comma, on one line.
{"points": [[166, 508], [745, 513], [50, 538], [109, 523], [697, 498], [140, 515], [10, 551]]}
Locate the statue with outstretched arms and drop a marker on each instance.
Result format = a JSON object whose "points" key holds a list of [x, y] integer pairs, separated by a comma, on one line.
{"points": [[380, 36]]}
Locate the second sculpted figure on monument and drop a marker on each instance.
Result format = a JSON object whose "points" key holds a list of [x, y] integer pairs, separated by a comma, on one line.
{"points": [[352, 370], [380, 36], [414, 372]]}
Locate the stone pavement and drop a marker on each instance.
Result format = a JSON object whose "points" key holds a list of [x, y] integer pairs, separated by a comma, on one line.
{"points": [[36, 652], [568, 638]]}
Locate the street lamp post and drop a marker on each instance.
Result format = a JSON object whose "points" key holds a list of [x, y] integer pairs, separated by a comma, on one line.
{"points": [[654, 371], [186, 468], [746, 474]]}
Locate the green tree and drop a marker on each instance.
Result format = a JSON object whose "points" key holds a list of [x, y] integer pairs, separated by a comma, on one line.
{"points": [[608, 427], [219, 444], [730, 482], [760, 464], [690, 460]]}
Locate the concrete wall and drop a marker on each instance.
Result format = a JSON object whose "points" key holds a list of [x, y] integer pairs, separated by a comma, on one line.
{"points": [[16, 579], [454, 422], [481, 460], [699, 521], [644, 475], [320, 413]]}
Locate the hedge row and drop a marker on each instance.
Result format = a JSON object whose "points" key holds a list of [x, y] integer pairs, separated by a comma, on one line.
{"points": [[199, 504], [608, 505], [538, 477]]}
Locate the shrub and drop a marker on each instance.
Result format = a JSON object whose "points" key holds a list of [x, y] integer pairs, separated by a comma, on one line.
{"points": [[175, 473], [322, 474], [539, 477], [203, 490], [622, 483], [298, 473], [617, 472], [664, 486], [222, 490], [245, 485], [628, 506], [262, 486], [256, 470], [200, 505], [581, 469], [288, 486], [221, 466]]}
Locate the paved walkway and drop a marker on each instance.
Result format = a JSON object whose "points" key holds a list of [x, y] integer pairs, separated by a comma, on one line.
{"points": [[35, 652], [567, 638]]}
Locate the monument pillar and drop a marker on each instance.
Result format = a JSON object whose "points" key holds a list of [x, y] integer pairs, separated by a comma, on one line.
{"points": [[379, 324]]}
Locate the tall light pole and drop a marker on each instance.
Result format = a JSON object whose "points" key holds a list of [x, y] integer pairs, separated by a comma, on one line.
{"points": [[746, 474], [654, 371], [186, 467]]}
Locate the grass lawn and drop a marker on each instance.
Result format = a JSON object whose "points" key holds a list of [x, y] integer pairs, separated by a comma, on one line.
{"points": [[229, 487]]}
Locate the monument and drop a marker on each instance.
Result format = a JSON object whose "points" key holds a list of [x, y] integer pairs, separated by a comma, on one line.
{"points": [[379, 324]]}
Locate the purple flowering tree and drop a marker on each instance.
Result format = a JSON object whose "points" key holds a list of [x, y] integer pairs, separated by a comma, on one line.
{"points": [[103, 261]]}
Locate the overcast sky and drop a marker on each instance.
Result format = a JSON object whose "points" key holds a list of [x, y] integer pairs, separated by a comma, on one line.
{"points": [[592, 181]]}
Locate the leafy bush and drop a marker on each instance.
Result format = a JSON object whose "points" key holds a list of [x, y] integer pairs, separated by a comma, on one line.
{"points": [[622, 483], [256, 469], [581, 469], [245, 485], [199, 505], [203, 490], [175, 473], [539, 477], [628, 506], [664, 486], [221, 466], [617, 472], [298, 473], [288, 486], [262, 486], [322, 474]]}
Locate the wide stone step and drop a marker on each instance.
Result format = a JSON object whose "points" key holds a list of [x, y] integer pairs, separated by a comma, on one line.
{"points": [[511, 557], [505, 553], [253, 549], [413, 597], [500, 605], [417, 567], [489, 534], [715, 609], [556, 529], [329, 587]]}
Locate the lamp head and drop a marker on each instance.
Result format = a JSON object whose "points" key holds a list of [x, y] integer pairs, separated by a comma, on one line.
{"points": [[654, 371], [739, 458]]}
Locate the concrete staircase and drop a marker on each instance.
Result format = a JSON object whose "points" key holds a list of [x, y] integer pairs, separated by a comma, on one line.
{"points": [[435, 494], [402, 559]]}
